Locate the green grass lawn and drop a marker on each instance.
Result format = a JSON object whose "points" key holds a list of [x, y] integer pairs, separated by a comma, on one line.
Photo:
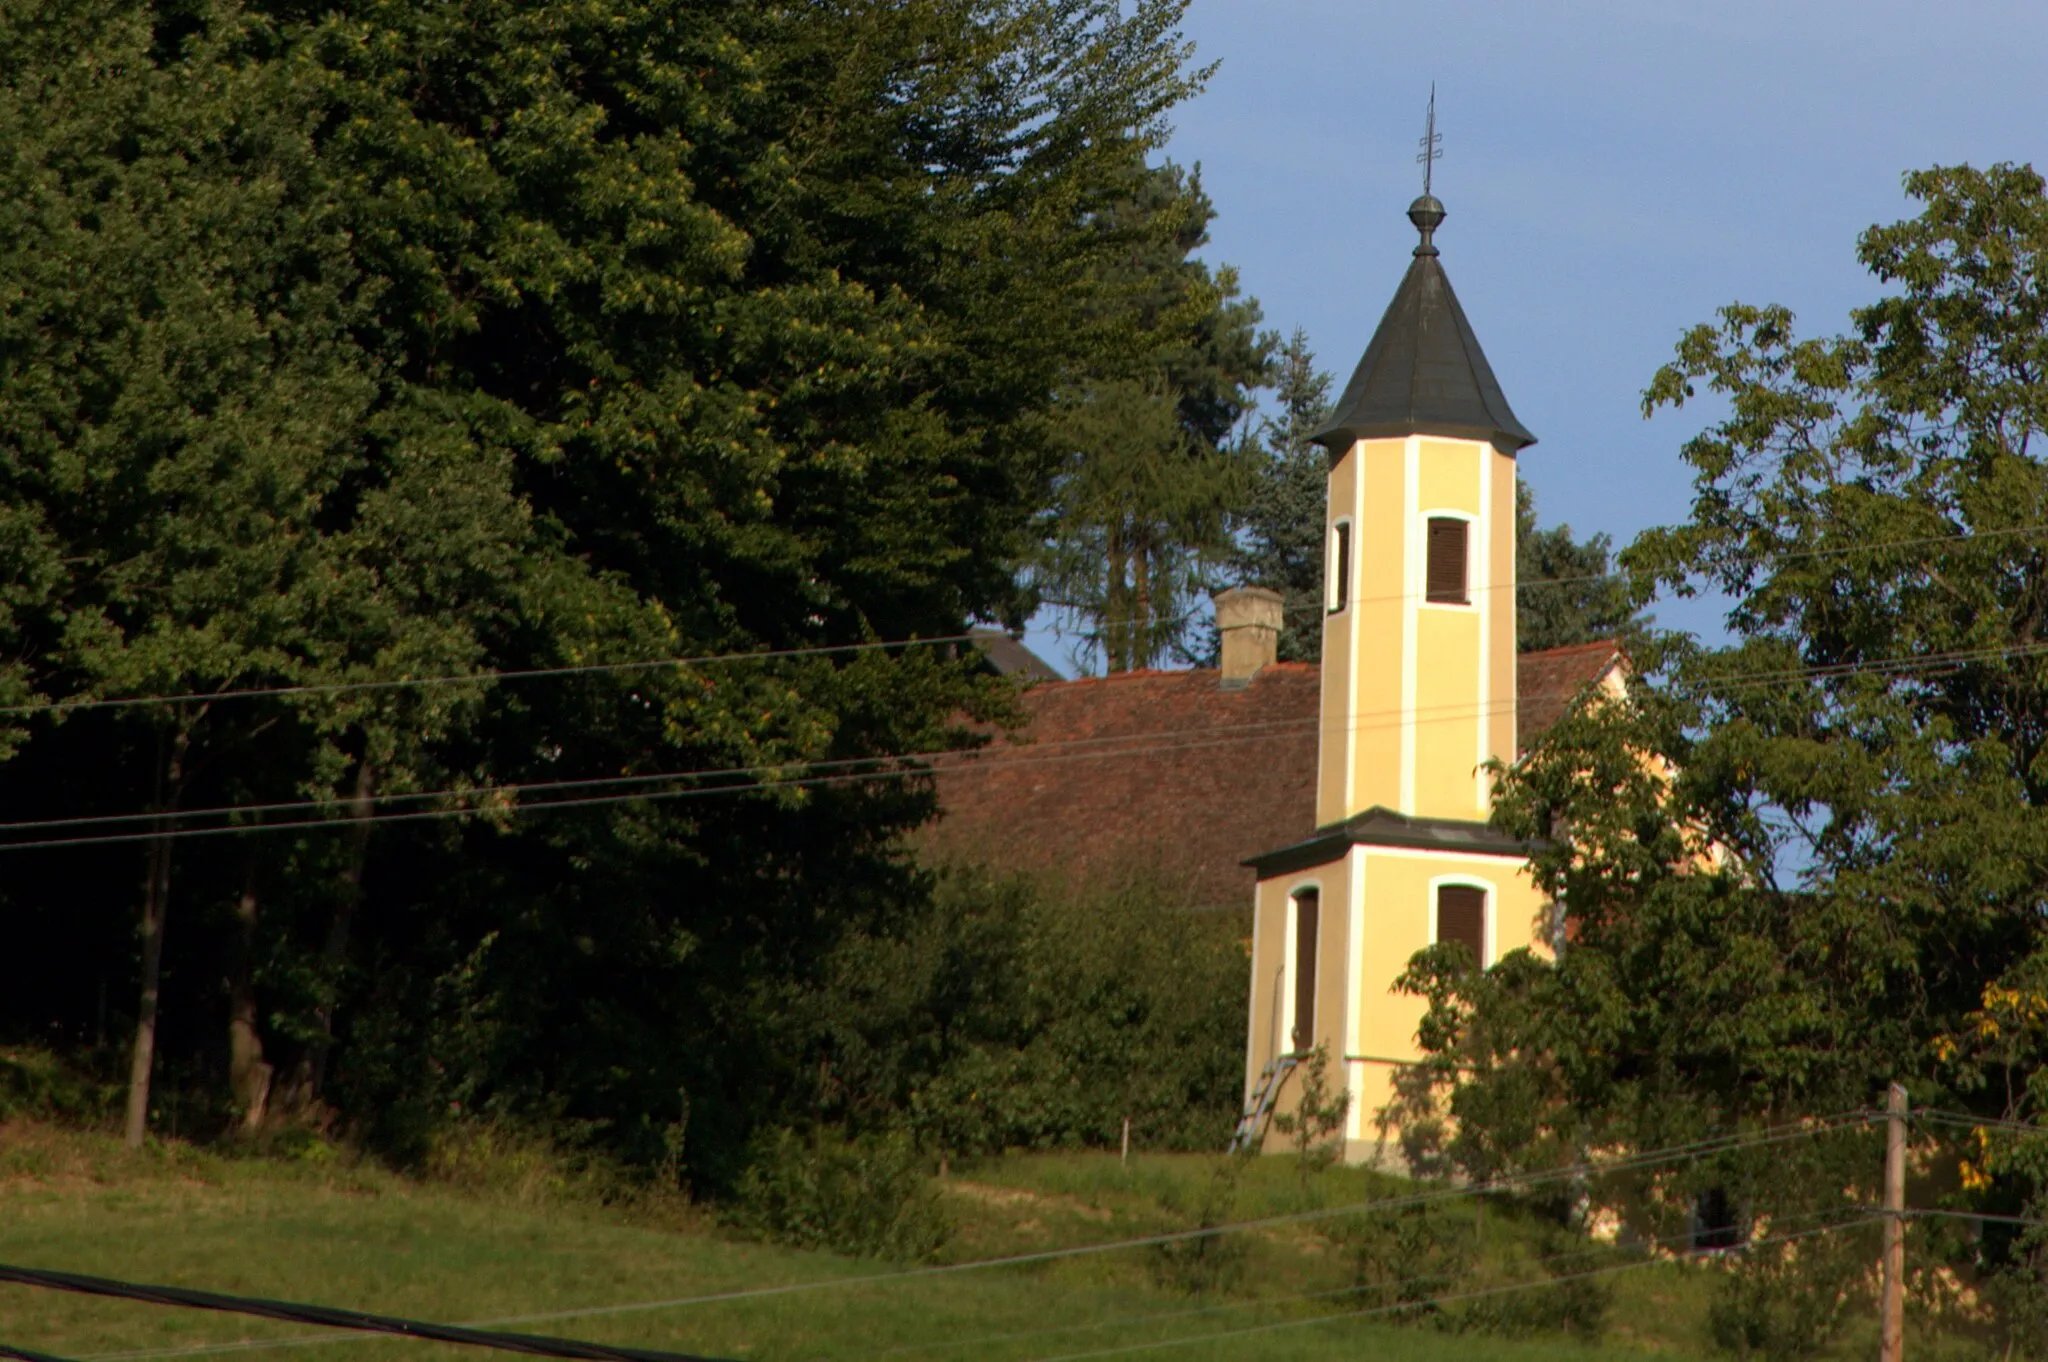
{"points": [[353, 1235]]}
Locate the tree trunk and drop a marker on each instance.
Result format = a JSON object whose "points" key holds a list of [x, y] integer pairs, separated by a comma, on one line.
{"points": [[248, 1074], [156, 900], [334, 953], [1144, 643], [1115, 624]]}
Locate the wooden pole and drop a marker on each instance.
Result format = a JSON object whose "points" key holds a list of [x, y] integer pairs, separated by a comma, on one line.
{"points": [[1127, 1140], [1892, 1323]]}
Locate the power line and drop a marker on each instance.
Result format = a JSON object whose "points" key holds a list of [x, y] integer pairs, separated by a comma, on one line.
{"points": [[1595, 578], [356, 1321], [770, 654], [967, 754], [1964, 1119], [24, 1355], [1196, 742], [466, 678], [962, 759], [1715, 1144], [1650, 1245], [1452, 1299]]}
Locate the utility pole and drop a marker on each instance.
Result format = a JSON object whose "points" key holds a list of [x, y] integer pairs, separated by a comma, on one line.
{"points": [[1891, 1346]]}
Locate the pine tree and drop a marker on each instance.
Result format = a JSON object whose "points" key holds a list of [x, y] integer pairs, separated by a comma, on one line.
{"points": [[1141, 524], [1567, 592], [1281, 527]]}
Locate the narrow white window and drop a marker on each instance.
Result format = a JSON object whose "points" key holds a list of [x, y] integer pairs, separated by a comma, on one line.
{"points": [[1340, 566], [1307, 913]]}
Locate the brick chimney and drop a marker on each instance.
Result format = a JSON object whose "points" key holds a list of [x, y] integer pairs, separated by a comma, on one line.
{"points": [[1250, 619]]}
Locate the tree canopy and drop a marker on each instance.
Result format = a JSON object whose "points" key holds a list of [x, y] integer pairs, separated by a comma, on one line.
{"points": [[350, 346]]}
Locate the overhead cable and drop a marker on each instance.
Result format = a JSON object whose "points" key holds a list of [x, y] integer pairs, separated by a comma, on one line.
{"points": [[1309, 1321], [963, 758], [472, 678], [819, 650], [1651, 1158], [1650, 1245], [356, 1321]]}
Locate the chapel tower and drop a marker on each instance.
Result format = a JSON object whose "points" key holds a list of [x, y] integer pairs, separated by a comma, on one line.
{"points": [[1419, 629], [1418, 697]]}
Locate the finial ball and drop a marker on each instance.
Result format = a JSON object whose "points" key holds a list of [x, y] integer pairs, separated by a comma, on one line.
{"points": [[1426, 213]]}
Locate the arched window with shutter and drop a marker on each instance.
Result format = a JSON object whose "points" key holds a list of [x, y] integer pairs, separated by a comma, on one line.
{"points": [[1461, 917]]}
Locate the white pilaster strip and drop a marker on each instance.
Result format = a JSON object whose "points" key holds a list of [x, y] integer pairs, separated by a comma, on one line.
{"points": [[1251, 1028], [1354, 996], [1349, 740], [1482, 579], [1411, 610]]}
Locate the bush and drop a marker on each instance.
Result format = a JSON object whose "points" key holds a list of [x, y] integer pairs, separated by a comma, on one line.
{"points": [[868, 1196], [1569, 1304], [1783, 1302], [1012, 1014], [1211, 1263], [1406, 1257], [37, 1084]]}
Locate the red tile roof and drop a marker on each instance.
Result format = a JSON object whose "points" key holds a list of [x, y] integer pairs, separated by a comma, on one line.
{"points": [[1170, 773], [1549, 681]]}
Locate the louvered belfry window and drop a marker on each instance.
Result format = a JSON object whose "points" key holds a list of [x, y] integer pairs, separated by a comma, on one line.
{"points": [[1461, 916], [1447, 549], [1307, 909]]}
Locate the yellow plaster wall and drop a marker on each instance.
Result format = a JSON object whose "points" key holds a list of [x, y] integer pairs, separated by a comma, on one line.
{"points": [[1458, 695], [1362, 646], [1394, 922], [1415, 699], [1502, 624], [1339, 651], [1447, 717], [1450, 476], [1272, 992], [1377, 911], [1375, 732]]}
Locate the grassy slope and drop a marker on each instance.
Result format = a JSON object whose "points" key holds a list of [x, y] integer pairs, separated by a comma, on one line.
{"points": [[360, 1237]]}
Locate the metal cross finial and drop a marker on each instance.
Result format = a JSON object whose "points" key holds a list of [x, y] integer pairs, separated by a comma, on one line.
{"points": [[1432, 143]]}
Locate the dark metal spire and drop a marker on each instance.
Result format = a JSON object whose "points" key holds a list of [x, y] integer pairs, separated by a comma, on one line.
{"points": [[1432, 144], [1427, 213]]}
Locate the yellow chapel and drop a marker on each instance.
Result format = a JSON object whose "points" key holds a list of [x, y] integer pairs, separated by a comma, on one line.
{"points": [[1418, 686]]}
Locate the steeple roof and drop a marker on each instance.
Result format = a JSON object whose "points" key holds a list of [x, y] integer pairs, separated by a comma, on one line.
{"points": [[1424, 373]]}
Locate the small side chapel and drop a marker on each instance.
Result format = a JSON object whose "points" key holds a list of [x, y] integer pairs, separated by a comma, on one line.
{"points": [[1418, 696]]}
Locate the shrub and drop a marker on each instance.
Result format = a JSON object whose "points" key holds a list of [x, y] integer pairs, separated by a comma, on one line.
{"points": [[868, 1196], [1014, 1014], [1783, 1302], [36, 1083], [1210, 1263]]}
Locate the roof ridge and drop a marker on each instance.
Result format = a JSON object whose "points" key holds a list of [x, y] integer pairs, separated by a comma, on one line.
{"points": [[1612, 645]]}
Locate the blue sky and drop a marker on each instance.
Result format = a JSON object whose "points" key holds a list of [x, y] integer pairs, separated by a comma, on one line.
{"points": [[1613, 172]]}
